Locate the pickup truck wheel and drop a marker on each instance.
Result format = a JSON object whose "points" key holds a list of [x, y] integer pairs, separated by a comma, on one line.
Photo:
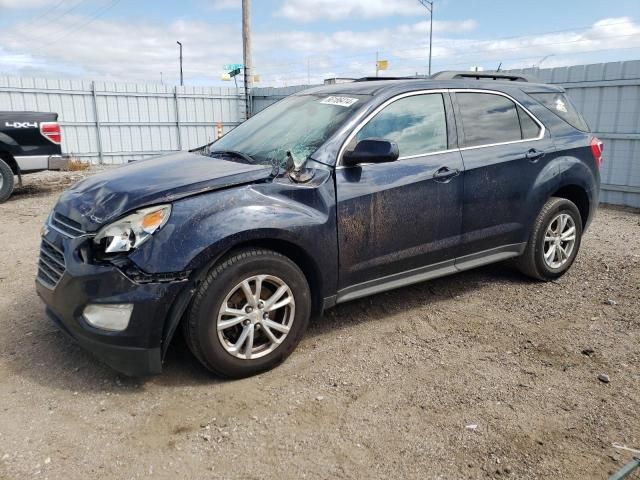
{"points": [[6, 181], [554, 241], [249, 313]]}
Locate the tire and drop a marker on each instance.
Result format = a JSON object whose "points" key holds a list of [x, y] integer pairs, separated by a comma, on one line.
{"points": [[6, 181], [532, 262], [214, 347]]}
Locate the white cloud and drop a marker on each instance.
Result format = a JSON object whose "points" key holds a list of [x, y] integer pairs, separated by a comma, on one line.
{"points": [[303, 11], [119, 50], [406, 48], [138, 50], [313, 42]]}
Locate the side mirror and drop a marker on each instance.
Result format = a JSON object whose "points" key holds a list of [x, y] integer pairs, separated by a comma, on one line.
{"points": [[371, 150]]}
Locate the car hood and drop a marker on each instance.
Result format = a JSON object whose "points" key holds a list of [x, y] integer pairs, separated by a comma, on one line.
{"points": [[100, 198]]}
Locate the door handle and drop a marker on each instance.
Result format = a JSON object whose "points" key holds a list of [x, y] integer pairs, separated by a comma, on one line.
{"points": [[534, 155], [445, 174]]}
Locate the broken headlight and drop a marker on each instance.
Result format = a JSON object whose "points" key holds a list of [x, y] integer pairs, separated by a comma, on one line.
{"points": [[133, 230]]}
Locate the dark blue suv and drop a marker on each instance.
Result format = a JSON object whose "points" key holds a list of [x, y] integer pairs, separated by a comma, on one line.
{"points": [[329, 195]]}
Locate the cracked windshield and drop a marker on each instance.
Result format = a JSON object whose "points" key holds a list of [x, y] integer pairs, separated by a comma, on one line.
{"points": [[298, 124]]}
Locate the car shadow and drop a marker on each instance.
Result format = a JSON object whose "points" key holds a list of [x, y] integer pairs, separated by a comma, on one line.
{"points": [[428, 293], [39, 351]]}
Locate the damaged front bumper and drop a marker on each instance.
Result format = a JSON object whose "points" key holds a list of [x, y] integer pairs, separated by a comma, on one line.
{"points": [[67, 283]]}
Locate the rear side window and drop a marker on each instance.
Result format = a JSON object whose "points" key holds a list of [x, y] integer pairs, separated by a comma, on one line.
{"points": [[488, 118], [560, 104], [416, 123], [530, 129]]}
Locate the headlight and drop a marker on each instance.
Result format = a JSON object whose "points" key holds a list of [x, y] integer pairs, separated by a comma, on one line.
{"points": [[133, 230]]}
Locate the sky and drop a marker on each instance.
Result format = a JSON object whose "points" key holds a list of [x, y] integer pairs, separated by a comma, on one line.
{"points": [[297, 42]]}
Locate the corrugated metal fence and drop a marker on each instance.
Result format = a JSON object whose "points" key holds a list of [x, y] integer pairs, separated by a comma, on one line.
{"points": [[113, 122], [263, 97]]}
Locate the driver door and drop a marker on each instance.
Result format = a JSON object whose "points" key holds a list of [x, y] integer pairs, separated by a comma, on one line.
{"points": [[400, 222]]}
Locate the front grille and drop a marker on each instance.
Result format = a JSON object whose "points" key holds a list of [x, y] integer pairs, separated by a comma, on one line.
{"points": [[66, 226], [51, 266]]}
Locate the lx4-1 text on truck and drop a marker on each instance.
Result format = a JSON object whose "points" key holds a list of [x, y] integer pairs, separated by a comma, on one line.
{"points": [[329, 195]]}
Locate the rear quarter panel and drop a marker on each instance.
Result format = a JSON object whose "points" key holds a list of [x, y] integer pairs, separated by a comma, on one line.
{"points": [[573, 160]]}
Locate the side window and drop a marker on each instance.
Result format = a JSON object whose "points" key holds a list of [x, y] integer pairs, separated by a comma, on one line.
{"points": [[560, 104], [416, 123], [530, 129], [488, 118]]}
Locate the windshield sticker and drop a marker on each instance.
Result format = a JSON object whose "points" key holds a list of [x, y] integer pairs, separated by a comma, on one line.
{"points": [[339, 101]]}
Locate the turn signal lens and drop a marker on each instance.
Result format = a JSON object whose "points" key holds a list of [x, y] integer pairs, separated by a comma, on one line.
{"points": [[151, 221]]}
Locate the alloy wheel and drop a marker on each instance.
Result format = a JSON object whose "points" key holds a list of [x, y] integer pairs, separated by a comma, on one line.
{"points": [[255, 317], [559, 240]]}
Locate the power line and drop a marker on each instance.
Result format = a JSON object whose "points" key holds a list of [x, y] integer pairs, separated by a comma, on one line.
{"points": [[59, 18], [357, 72], [96, 14], [392, 49], [502, 50]]}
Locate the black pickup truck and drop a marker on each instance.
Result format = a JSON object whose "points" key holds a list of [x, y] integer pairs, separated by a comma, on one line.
{"points": [[29, 142]]}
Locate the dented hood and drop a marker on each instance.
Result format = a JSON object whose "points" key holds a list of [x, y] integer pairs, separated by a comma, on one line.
{"points": [[101, 198]]}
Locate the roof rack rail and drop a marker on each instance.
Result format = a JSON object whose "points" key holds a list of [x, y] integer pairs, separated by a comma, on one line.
{"points": [[456, 75], [373, 79]]}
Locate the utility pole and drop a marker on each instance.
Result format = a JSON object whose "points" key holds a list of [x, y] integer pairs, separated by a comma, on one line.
{"points": [[377, 69], [246, 50], [429, 6], [181, 77], [308, 70]]}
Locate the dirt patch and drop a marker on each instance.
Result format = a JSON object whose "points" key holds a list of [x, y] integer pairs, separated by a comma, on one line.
{"points": [[480, 375]]}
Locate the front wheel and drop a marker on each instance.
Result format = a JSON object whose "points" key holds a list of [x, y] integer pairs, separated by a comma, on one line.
{"points": [[249, 313], [554, 241]]}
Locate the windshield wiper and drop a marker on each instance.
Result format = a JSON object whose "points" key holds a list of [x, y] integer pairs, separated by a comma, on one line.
{"points": [[234, 153]]}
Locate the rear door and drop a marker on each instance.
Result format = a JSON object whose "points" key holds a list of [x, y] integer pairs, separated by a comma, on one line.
{"points": [[504, 148], [395, 218]]}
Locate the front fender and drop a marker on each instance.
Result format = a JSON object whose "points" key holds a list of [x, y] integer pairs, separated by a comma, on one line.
{"points": [[204, 227]]}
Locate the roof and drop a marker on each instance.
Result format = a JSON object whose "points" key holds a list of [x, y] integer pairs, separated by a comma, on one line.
{"points": [[376, 87]]}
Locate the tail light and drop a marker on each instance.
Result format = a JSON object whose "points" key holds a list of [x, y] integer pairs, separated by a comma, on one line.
{"points": [[51, 131], [596, 148]]}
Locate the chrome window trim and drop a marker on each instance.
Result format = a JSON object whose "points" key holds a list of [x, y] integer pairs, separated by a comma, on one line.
{"points": [[502, 94], [377, 110], [389, 101]]}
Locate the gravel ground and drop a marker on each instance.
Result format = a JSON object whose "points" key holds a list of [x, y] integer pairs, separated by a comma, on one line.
{"points": [[480, 375]]}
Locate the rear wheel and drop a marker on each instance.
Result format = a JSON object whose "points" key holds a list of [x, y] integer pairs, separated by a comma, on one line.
{"points": [[554, 241], [6, 181], [249, 314]]}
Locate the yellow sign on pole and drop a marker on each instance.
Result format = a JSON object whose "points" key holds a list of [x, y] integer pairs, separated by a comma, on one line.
{"points": [[382, 64]]}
